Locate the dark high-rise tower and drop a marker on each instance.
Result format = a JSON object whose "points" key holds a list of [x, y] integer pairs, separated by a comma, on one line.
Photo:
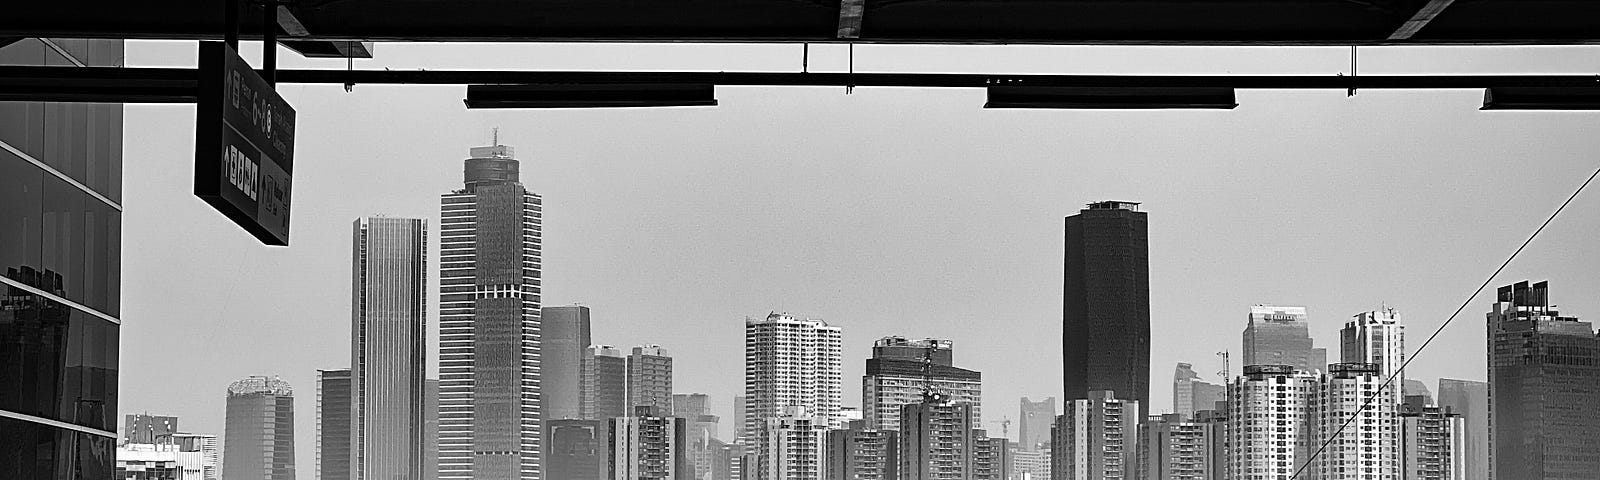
{"points": [[1544, 388], [387, 351], [489, 330], [1106, 303]]}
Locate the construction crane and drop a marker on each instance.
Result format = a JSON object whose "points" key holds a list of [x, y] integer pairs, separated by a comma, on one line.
{"points": [[1005, 426], [1226, 368]]}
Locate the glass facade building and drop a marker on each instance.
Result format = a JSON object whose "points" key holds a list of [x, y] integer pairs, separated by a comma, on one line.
{"points": [[1544, 388], [258, 441], [60, 271], [566, 336], [333, 424]]}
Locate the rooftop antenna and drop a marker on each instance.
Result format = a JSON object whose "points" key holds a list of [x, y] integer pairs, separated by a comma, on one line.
{"points": [[1225, 367]]}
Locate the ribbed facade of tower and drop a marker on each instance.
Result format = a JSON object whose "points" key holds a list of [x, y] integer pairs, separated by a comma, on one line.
{"points": [[790, 361], [258, 436], [1269, 426], [333, 424], [489, 327], [901, 371], [1368, 447], [388, 351], [1377, 337]]}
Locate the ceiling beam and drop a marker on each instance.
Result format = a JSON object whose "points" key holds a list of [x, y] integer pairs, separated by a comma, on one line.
{"points": [[1420, 19]]}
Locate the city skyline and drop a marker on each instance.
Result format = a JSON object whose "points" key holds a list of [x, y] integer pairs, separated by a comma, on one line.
{"points": [[1431, 292]]}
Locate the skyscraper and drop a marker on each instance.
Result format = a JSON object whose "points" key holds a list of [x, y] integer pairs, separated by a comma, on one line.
{"points": [[902, 372], [147, 428], [489, 330], [1544, 388], [790, 361], [702, 438], [333, 425], [1377, 337], [387, 351], [566, 336], [1430, 437], [650, 378], [1191, 394], [60, 271], [1269, 426], [1470, 399], [258, 441], [1106, 303], [1176, 447], [1096, 439], [1362, 443], [430, 429], [605, 383], [1280, 335], [791, 445], [1036, 419]]}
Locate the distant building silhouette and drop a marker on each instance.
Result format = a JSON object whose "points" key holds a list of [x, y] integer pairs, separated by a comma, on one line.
{"points": [[1280, 335], [565, 338], [1470, 399], [1191, 394], [489, 326], [1106, 303], [1544, 386], [259, 437], [1034, 424]]}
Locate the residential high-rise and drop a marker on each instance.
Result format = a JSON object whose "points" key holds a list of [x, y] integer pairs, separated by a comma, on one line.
{"points": [[566, 337], [1034, 424], [1367, 444], [1176, 447], [790, 446], [1191, 394], [1106, 303], [60, 271], [1280, 335], [991, 457], [579, 449], [902, 371], [258, 439], [650, 378], [1431, 442], [1096, 439], [1377, 337], [1030, 465], [333, 425], [205, 458], [1269, 427], [605, 383], [430, 429], [1470, 399], [147, 428], [858, 452], [1544, 388], [388, 353], [936, 439], [489, 327], [649, 445], [790, 361]]}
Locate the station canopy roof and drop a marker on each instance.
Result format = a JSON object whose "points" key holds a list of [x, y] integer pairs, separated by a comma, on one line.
{"points": [[1164, 22]]}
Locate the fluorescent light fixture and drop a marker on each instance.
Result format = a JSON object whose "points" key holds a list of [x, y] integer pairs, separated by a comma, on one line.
{"points": [[1541, 98], [1113, 98], [598, 95]]}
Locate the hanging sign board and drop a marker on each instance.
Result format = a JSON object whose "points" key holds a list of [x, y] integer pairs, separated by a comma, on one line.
{"points": [[244, 145]]}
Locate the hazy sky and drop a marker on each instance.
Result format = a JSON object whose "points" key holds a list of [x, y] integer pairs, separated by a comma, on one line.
{"points": [[888, 212]]}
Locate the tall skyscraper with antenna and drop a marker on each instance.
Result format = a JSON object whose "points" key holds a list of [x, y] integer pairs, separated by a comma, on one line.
{"points": [[489, 324]]}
